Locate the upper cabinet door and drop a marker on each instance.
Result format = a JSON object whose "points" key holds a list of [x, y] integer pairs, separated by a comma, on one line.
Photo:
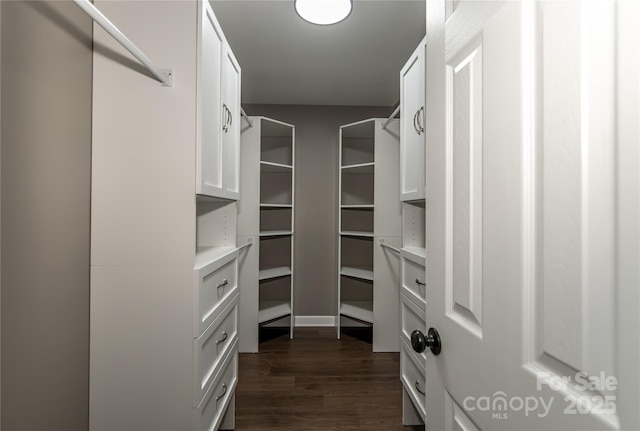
{"points": [[209, 151], [412, 142], [231, 81]]}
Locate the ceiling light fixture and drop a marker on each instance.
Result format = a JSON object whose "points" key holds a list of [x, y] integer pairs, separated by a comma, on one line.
{"points": [[323, 12]]}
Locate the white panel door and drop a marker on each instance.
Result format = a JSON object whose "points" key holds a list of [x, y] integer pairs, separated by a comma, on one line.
{"points": [[532, 215], [412, 126], [231, 79], [209, 166]]}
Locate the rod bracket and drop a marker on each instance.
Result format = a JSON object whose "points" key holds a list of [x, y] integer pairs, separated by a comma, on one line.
{"points": [[168, 74]]}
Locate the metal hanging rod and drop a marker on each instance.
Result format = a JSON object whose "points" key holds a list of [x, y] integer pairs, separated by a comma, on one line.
{"points": [[246, 117], [165, 76], [393, 114], [393, 249], [249, 243]]}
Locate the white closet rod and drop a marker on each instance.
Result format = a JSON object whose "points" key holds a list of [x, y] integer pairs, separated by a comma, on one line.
{"points": [[246, 117], [393, 114], [249, 243], [165, 76], [393, 249]]}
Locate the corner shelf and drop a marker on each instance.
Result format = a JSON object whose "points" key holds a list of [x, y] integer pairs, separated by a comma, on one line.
{"points": [[266, 212], [368, 208], [355, 272], [274, 272], [272, 310], [359, 310]]}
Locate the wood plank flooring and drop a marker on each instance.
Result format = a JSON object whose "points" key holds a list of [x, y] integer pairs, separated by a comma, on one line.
{"points": [[316, 382]]}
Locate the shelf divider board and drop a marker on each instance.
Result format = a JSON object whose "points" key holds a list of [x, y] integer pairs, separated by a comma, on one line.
{"points": [[274, 167], [278, 271], [360, 310], [361, 273], [272, 310], [275, 206], [271, 233], [360, 168], [357, 234]]}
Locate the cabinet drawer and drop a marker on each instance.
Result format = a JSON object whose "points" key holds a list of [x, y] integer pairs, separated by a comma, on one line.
{"points": [[411, 318], [413, 279], [210, 411], [214, 284], [212, 346], [412, 375]]}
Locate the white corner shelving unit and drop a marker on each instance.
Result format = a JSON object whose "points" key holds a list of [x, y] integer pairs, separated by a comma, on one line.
{"points": [[369, 211], [266, 213]]}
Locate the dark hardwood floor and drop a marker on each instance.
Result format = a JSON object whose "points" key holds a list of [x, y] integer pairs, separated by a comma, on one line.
{"points": [[316, 382]]}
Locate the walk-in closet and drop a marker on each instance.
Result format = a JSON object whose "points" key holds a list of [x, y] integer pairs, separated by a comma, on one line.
{"points": [[292, 215]]}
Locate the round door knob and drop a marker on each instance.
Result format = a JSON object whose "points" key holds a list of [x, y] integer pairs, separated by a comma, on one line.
{"points": [[419, 342]]}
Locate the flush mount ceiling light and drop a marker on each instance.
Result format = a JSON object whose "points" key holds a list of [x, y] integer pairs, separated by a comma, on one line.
{"points": [[323, 12]]}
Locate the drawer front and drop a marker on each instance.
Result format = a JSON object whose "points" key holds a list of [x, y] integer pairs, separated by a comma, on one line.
{"points": [[412, 375], [210, 411], [212, 347], [413, 279], [212, 289], [411, 318]]}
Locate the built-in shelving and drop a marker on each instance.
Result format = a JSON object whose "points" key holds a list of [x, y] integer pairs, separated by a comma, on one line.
{"points": [[266, 212], [368, 209]]}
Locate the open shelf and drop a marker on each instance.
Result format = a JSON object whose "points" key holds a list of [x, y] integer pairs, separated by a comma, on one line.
{"points": [[275, 206], [272, 310], [275, 272], [207, 255], [415, 252], [357, 272], [360, 168], [358, 207], [355, 233], [272, 233], [274, 167], [360, 310]]}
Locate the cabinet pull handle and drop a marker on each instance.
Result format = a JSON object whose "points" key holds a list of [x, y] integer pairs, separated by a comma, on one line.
{"points": [[224, 392], [420, 116], [223, 339], [418, 388], [415, 119], [225, 118], [230, 119], [223, 283], [421, 283]]}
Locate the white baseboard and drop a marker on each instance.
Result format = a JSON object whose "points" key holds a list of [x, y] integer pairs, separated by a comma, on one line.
{"points": [[317, 321], [302, 321]]}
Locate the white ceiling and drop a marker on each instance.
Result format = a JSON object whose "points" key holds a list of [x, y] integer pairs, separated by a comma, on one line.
{"points": [[286, 60]]}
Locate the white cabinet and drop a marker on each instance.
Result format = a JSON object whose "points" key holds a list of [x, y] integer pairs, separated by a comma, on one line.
{"points": [[218, 110], [369, 212], [231, 78], [412, 136], [266, 213]]}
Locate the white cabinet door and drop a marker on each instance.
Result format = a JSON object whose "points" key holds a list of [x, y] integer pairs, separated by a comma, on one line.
{"points": [[231, 79], [532, 220], [412, 139], [209, 166]]}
